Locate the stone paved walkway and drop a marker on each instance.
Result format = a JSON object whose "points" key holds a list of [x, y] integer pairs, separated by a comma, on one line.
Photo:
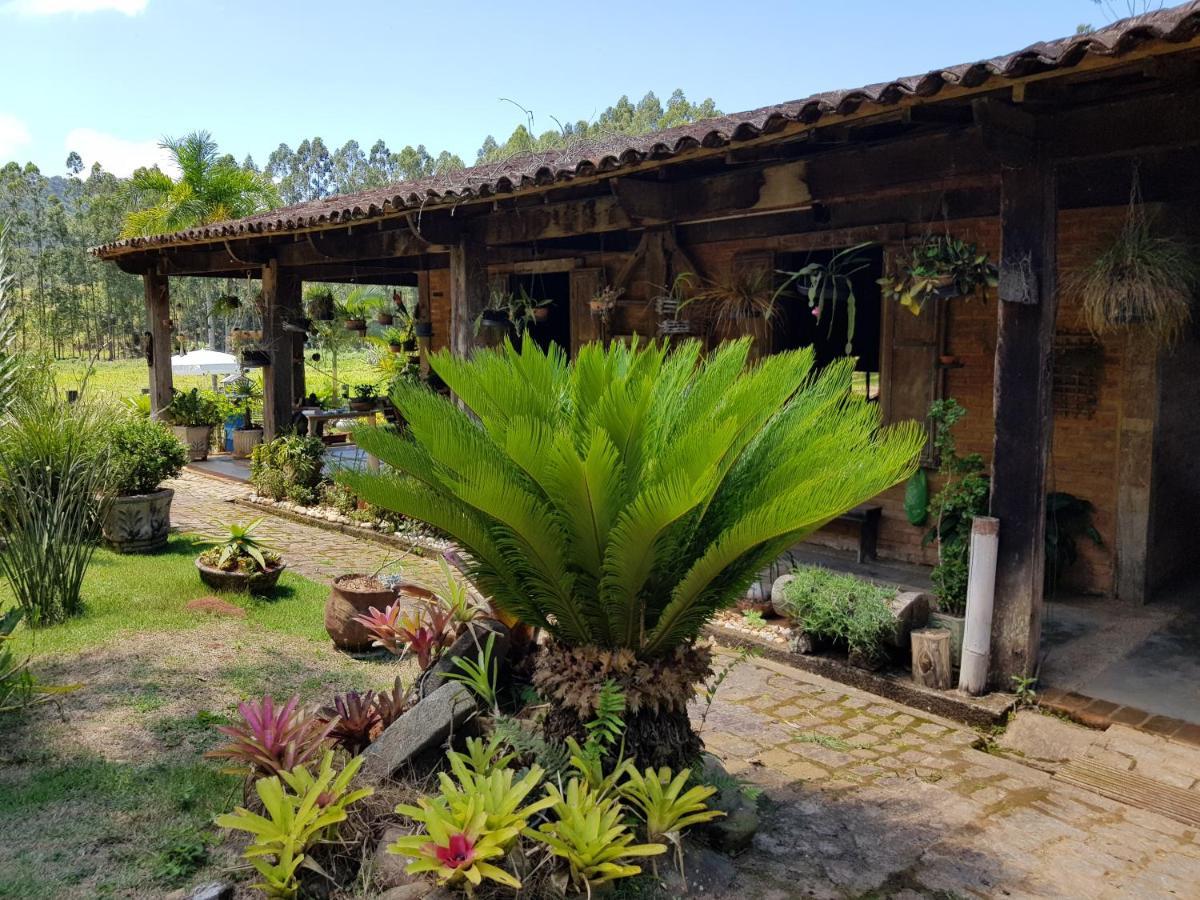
{"points": [[862, 797]]}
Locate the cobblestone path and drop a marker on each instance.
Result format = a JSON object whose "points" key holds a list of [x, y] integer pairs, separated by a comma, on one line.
{"points": [[863, 798]]}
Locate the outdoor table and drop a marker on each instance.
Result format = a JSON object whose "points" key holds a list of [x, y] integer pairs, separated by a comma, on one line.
{"points": [[317, 417]]}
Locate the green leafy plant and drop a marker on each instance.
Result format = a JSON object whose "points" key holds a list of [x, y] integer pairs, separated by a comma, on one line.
{"points": [[10, 362], [1068, 518], [399, 629], [964, 494], [589, 834], [1025, 687], [55, 467], [143, 455], [355, 719], [738, 293], [238, 549], [825, 284], [621, 500], [360, 304], [841, 610], [194, 409], [482, 758], [938, 265], [18, 687], [271, 739], [481, 675], [305, 812], [366, 392], [288, 467], [754, 618], [664, 806]]}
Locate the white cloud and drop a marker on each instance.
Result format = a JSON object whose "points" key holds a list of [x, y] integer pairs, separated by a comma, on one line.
{"points": [[13, 136], [56, 7], [115, 154]]}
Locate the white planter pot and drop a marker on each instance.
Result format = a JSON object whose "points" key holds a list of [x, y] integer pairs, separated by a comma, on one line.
{"points": [[140, 523], [245, 440], [195, 438]]}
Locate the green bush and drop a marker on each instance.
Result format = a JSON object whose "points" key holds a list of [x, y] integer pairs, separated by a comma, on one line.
{"points": [[841, 610], [54, 467], [288, 468], [195, 409], [144, 455]]}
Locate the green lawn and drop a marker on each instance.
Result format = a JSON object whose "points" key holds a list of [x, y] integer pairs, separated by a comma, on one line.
{"points": [[112, 796], [127, 377]]}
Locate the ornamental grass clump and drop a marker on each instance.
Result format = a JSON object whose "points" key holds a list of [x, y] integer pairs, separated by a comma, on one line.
{"points": [[619, 501]]}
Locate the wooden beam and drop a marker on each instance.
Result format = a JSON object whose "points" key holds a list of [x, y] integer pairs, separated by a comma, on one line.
{"points": [[468, 290], [281, 302], [158, 317], [1024, 416], [754, 189], [1138, 124]]}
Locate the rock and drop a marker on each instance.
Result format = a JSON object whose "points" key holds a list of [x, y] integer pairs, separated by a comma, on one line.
{"points": [[777, 599], [213, 890], [216, 606], [705, 871], [387, 869], [911, 609], [468, 645], [425, 726], [736, 830], [801, 643]]}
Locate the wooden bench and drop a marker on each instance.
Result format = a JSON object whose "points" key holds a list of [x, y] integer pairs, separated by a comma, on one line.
{"points": [[867, 519]]}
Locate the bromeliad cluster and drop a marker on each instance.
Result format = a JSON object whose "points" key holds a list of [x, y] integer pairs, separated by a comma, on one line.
{"points": [[590, 826], [277, 745]]}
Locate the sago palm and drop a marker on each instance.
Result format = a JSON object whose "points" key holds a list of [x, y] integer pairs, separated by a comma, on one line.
{"points": [[211, 188], [621, 500]]}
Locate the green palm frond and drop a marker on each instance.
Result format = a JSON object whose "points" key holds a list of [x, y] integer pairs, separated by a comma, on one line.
{"points": [[622, 499]]}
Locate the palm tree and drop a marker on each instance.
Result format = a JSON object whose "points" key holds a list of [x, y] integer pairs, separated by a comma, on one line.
{"points": [[211, 188], [620, 501]]}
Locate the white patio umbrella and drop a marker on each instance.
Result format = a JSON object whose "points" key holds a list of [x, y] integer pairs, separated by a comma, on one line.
{"points": [[205, 362]]}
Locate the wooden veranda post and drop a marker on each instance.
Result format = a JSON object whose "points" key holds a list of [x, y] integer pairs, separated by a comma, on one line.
{"points": [[281, 300], [1022, 402], [158, 315], [468, 289]]}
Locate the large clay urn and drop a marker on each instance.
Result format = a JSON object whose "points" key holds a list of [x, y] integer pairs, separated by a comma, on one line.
{"points": [[351, 595], [138, 523]]}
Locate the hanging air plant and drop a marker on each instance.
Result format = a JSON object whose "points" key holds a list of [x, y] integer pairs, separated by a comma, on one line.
{"points": [[226, 304], [1141, 278], [825, 284], [939, 267]]}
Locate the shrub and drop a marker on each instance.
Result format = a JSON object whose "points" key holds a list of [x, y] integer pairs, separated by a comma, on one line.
{"points": [[841, 610], [194, 409], [619, 501], [288, 468], [54, 467], [144, 455]]}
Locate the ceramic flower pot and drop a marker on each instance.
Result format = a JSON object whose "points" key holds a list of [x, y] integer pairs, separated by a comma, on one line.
{"points": [[242, 582], [245, 440], [139, 523], [195, 438]]}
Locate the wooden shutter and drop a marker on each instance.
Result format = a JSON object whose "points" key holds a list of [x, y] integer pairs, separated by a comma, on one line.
{"points": [[909, 377], [585, 284]]}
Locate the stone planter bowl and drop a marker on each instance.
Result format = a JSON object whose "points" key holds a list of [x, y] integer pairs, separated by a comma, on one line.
{"points": [[345, 603], [195, 438], [139, 523], [243, 582]]}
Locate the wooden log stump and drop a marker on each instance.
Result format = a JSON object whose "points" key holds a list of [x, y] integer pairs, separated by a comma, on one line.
{"points": [[931, 658]]}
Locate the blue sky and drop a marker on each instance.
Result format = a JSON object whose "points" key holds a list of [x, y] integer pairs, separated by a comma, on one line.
{"points": [[109, 77]]}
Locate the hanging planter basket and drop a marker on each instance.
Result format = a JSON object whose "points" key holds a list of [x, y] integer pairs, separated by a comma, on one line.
{"points": [[255, 359], [423, 329], [322, 308], [1141, 279], [541, 313], [384, 318], [359, 325], [674, 326], [494, 318]]}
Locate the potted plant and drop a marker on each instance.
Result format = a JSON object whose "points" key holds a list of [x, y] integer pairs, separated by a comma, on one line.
{"points": [[824, 284], [320, 302], [144, 454], [423, 329], [400, 340], [239, 561], [226, 304], [366, 398], [524, 311], [192, 416], [495, 314], [356, 594], [940, 267], [255, 358], [1140, 277], [384, 317], [360, 304], [604, 302], [247, 435]]}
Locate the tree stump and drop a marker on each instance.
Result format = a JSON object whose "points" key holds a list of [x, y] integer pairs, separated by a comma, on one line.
{"points": [[931, 658]]}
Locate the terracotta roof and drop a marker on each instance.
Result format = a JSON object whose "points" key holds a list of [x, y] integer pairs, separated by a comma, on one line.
{"points": [[1174, 25]]}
